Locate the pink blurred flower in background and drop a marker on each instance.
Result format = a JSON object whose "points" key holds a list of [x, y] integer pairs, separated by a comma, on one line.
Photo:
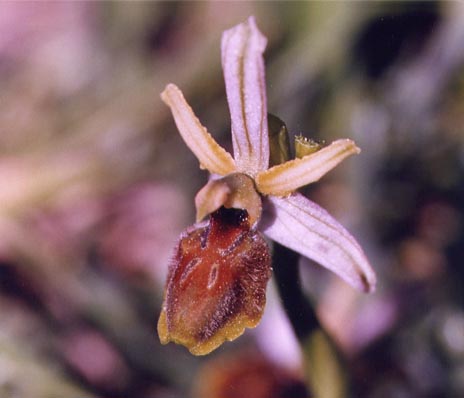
{"points": [[89, 352], [54, 38], [142, 224]]}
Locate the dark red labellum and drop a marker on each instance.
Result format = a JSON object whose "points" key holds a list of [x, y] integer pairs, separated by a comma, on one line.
{"points": [[216, 283]]}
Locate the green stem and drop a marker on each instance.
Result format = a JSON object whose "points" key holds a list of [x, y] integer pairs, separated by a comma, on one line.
{"points": [[297, 307], [323, 367]]}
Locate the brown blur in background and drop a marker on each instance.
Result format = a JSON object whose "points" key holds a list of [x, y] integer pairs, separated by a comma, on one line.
{"points": [[96, 184]]}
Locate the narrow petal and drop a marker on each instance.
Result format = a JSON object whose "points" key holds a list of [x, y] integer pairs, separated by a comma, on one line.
{"points": [[285, 178], [305, 227], [243, 65], [211, 155]]}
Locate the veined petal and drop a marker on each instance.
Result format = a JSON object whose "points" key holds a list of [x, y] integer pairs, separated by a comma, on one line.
{"points": [[211, 155], [242, 61], [305, 227], [285, 178]]}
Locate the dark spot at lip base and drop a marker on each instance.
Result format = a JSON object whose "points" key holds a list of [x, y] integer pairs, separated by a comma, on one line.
{"points": [[231, 217]]}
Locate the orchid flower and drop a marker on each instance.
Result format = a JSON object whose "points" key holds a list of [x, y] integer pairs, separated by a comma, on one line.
{"points": [[217, 278]]}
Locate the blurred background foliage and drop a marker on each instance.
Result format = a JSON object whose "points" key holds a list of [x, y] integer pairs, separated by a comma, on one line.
{"points": [[96, 184]]}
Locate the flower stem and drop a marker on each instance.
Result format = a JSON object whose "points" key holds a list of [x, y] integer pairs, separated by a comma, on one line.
{"points": [[324, 369]]}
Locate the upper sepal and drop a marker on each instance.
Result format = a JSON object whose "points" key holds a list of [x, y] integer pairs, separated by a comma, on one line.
{"points": [[243, 65]]}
